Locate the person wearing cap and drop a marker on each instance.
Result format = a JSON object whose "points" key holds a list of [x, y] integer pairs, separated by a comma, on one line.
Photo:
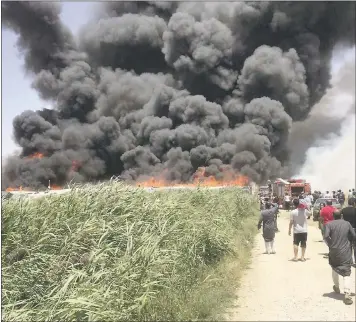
{"points": [[303, 204], [267, 219], [299, 222], [339, 235]]}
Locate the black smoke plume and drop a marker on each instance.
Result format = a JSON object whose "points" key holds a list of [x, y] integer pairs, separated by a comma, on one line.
{"points": [[167, 87]]}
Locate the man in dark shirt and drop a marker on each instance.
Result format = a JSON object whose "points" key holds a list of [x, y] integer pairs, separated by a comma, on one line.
{"points": [[341, 198], [349, 214], [339, 235]]}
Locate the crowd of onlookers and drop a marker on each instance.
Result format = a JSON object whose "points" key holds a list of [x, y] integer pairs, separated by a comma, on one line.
{"points": [[337, 225], [308, 198]]}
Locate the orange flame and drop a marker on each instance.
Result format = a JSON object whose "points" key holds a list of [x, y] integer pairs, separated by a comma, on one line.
{"points": [[36, 155], [55, 187], [17, 189], [228, 178]]}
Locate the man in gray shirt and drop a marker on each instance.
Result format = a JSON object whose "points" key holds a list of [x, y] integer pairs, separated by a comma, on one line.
{"points": [[339, 235], [299, 222]]}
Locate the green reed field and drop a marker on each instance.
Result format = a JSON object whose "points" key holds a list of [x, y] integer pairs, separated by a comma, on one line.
{"points": [[109, 252]]}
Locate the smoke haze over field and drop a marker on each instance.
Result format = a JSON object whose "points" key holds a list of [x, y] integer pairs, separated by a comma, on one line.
{"points": [[330, 158], [153, 86]]}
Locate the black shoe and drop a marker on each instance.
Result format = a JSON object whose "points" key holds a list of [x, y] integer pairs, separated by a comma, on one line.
{"points": [[347, 299], [336, 289]]}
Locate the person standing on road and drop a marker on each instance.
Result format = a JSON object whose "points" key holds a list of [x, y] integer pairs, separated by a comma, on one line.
{"points": [[341, 198], [287, 201], [339, 235], [268, 218], [328, 195], [350, 194], [299, 222], [349, 214], [315, 196], [309, 200]]}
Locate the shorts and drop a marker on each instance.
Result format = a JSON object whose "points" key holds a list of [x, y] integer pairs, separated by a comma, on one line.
{"points": [[300, 238]]}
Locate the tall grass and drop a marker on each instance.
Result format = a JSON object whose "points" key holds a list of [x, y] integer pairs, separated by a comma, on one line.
{"points": [[109, 252]]}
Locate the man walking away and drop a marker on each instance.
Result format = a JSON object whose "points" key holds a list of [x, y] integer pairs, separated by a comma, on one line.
{"points": [[339, 235], [299, 222], [268, 217], [349, 214]]}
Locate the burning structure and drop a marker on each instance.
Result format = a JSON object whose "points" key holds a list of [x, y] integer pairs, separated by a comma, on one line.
{"points": [[171, 90]]}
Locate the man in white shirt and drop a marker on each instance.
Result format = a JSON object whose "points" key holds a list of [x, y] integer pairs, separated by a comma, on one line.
{"points": [[328, 195], [349, 196], [309, 200], [299, 222], [287, 201]]}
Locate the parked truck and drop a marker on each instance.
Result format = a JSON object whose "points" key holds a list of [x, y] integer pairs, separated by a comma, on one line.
{"points": [[293, 187], [299, 186]]}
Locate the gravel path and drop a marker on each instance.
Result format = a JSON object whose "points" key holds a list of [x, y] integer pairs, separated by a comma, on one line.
{"points": [[274, 288]]}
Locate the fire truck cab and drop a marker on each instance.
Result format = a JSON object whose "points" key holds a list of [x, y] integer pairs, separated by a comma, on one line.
{"points": [[293, 187], [298, 186]]}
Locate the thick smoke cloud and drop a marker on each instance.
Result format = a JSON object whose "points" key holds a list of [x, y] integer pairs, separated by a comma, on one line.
{"points": [[162, 88]]}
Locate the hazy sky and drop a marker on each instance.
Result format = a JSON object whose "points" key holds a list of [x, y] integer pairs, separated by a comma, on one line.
{"points": [[17, 94]]}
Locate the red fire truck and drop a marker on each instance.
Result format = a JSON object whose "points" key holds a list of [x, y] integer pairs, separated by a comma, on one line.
{"points": [[298, 186], [294, 187]]}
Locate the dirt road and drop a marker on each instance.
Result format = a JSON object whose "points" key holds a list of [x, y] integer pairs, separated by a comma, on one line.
{"points": [[274, 288]]}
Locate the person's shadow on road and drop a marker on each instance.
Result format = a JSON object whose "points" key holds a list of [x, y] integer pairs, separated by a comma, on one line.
{"points": [[336, 296]]}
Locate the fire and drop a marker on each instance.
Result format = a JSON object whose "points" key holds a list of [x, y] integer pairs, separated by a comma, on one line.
{"points": [[55, 187], [51, 187], [200, 178], [36, 155], [17, 189]]}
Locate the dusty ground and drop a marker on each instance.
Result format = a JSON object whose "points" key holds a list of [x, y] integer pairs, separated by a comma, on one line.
{"points": [[274, 288]]}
